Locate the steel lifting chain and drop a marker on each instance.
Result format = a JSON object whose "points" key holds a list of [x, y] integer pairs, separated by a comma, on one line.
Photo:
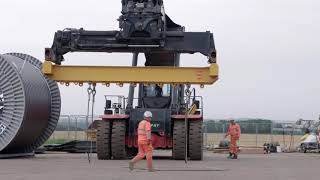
{"points": [[91, 99], [94, 92], [188, 97]]}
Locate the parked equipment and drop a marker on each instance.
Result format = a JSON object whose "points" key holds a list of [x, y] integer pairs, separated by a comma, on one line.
{"points": [[309, 144], [163, 86]]}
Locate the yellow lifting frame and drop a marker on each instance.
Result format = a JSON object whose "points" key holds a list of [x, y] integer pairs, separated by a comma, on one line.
{"points": [[131, 75]]}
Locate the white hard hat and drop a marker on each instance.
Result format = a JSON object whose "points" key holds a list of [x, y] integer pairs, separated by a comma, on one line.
{"points": [[147, 114]]}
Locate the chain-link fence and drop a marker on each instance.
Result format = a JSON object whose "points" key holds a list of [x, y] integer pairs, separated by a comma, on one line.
{"points": [[71, 127], [74, 127], [255, 134]]}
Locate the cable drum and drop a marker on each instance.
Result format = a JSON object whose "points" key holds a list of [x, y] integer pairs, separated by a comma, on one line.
{"points": [[1, 102], [30, 104], [2, 126]]}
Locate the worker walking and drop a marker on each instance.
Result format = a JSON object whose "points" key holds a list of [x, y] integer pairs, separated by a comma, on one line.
{"points": [[144, 142], [234, 132]]}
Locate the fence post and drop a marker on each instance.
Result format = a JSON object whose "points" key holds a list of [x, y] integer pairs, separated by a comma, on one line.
{"points": [[284, 138], [68, 127], [76, 130], [256, 134], [223, 129], [54, 135], [271, 131], [205, 136]]}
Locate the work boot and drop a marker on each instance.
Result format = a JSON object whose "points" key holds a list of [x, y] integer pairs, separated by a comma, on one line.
{"points": [[151, 170], [230, 156], [235, 156], [131, 166]]}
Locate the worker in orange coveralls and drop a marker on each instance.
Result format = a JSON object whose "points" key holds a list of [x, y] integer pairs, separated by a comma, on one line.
{"points": [[234, 132], [144, 142]]}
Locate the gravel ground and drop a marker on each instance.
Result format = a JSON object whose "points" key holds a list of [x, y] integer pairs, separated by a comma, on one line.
{"points": [[215, 166]]}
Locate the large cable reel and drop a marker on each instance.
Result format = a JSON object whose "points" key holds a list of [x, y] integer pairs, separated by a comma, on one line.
{"points": [[29, 104]]}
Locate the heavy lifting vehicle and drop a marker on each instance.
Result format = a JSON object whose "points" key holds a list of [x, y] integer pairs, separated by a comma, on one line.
{"points": [[163, 87]]}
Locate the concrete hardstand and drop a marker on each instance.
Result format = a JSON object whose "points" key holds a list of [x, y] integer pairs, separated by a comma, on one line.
{"points": [[215, 166]]}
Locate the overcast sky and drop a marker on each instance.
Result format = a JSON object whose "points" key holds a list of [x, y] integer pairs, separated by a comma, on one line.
{"points": [[268, 50]]}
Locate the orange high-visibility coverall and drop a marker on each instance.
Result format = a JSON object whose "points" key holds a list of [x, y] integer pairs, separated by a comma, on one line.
{"points": [[144, 143], [234, 131]]}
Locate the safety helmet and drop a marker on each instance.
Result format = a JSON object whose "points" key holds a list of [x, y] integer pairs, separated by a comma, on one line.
{"points": [[147, 114], [231, 119]]}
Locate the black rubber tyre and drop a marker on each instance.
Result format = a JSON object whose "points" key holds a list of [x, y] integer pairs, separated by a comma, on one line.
{"points": [[103, 140], [179, 144], [303, 148], [195, 140], [132, 152], [118, 145]]}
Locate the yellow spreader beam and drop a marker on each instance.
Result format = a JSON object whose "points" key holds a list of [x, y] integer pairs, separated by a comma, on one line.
{"points": [[131, 75]]}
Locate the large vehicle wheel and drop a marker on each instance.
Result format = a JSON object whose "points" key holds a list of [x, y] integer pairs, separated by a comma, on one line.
{"points": [[132, 152], [118, 144], [195, 140], [103, 140], [179, 143], [303, 148]]}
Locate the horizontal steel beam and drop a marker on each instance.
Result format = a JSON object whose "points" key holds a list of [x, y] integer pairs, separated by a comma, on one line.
{"points": [[132, 75], [79, 40]]}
